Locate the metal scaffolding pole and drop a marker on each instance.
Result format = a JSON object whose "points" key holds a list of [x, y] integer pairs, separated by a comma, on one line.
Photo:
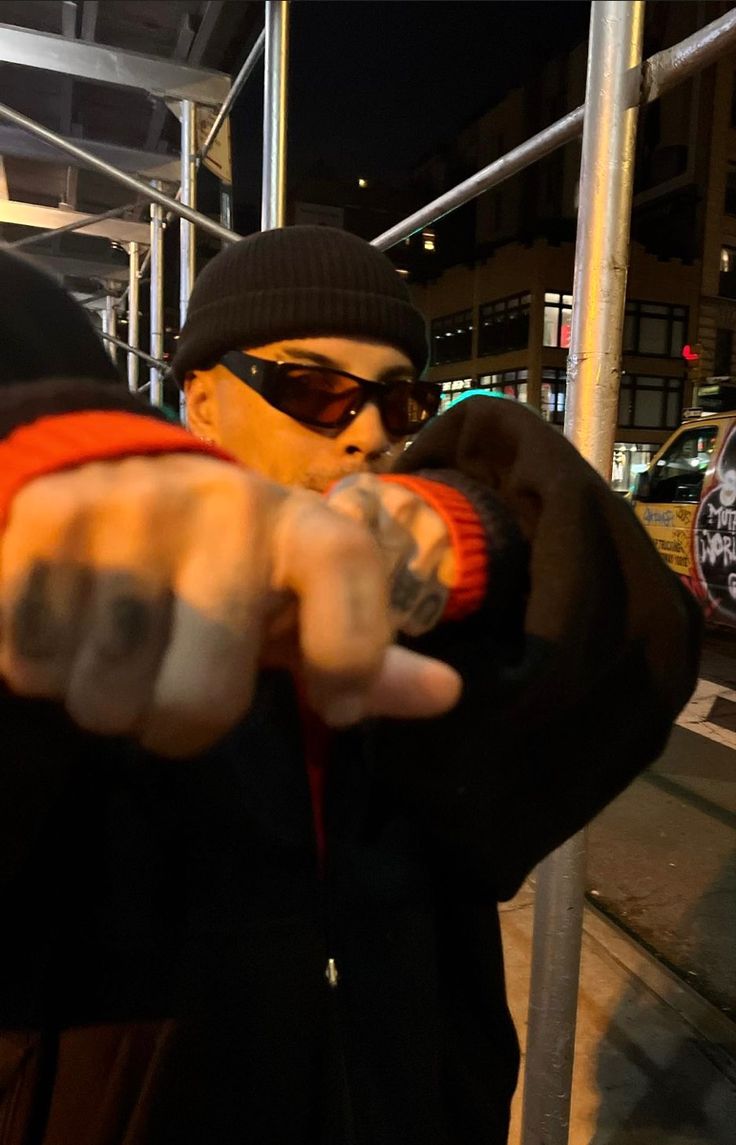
{"points": [[137, 352], [238, 83], [274, 114], [540, 145], [187, 235], [671, 66], [77, 225], [110, 323], [156, 341], [134, 285], [604, 221], [661, 72], [148, 191], [594, 368]]}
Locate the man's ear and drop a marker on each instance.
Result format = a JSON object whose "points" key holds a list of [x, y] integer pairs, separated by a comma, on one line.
{"points": [[202, 420]]}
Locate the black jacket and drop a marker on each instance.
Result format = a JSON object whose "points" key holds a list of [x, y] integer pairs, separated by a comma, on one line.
{"points": [[166, 928]]}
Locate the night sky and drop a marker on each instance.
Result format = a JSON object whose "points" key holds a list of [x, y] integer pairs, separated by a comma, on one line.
{"points": [[376, 86]]}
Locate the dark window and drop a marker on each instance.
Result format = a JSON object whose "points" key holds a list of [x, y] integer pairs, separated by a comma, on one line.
{"points": [[557, 320], [729, 204], [723, 353], [655, 329], [452, 338], [647, 402], [727, 280], [680, 471], [504, 325], [554, 390]]}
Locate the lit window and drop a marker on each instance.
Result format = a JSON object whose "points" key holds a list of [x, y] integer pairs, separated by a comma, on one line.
{"points": [[655, 329], [557, 320], [510, 383], [452, 390], [650, 402], [428, 240], [727, 283], [554, 391]]}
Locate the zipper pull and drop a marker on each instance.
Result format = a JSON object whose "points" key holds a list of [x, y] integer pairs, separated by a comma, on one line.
{"points": [[331, 974]]}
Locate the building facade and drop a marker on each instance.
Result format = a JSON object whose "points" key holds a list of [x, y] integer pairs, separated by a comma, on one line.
{"points": [[497, 290]]}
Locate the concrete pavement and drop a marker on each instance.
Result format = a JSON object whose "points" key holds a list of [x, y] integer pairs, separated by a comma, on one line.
{"points": [[652, 1067]]}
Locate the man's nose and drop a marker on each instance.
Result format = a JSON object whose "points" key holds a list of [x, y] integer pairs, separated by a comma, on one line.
{"points": [[366, 434]]}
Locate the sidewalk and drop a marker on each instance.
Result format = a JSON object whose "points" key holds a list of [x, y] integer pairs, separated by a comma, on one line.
{"points": [[651, 1068]]}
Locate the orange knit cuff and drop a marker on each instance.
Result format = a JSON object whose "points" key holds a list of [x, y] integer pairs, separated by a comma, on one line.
{"points": [[468, 537], [64, 441]]}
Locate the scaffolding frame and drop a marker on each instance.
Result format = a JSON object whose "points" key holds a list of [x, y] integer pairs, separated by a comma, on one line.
{"points": [[618, 83]]}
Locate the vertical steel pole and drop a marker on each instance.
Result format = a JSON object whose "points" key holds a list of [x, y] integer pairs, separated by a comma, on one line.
{"points": [[187, 234], [110, 325], [274, 114], [133, 313], [156, 341], [604, 223], [594, 366]]}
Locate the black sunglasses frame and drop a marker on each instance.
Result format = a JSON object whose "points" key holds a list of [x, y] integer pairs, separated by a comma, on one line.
{"points": [[266, 377]]}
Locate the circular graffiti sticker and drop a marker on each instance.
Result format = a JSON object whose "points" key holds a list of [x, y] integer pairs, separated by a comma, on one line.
{"points": [[715, 535]]}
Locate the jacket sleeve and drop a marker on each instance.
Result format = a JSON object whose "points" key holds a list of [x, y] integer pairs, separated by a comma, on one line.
{"points": [[49, 426], [46, 426], [574, 670]]}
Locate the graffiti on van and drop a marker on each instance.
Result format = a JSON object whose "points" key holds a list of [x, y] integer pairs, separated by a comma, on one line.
{"points": [[670, 528], [715, 536], [658, 516]]}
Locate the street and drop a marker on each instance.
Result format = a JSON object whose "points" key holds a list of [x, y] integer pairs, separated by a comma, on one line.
{"points": [[662, 857]]}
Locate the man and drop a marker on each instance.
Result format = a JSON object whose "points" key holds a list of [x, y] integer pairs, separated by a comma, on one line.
{"points": [[292, 936]]}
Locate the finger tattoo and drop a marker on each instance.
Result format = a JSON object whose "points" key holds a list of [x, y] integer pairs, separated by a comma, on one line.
{"points": [[129, 627], [35, 632]]}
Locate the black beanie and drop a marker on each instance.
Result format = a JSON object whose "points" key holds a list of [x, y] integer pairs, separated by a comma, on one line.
{"points": [[44, 332], [297, 282]]}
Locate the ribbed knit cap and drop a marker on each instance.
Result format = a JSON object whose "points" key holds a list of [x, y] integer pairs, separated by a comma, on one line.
{"points": [[297, 282]]}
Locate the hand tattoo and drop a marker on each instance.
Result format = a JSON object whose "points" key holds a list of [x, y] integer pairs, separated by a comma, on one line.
{"points": [[405, 588], [418, 602]]}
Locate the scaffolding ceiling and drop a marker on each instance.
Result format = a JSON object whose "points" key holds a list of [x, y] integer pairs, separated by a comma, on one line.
{"points": [[99, 72]]}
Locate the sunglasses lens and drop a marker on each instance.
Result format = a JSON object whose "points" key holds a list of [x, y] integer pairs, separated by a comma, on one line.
{"points": [[408, 405], [322, 398]]}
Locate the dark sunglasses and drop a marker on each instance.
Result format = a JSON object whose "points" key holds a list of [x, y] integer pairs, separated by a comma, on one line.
{"points": [[323, 398]]}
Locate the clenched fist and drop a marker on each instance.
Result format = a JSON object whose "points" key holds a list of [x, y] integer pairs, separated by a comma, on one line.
{"points": [[415, 545], [145, 594]]}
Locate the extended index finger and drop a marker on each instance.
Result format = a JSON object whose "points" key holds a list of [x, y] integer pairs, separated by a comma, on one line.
{"points": [[335, 570]]}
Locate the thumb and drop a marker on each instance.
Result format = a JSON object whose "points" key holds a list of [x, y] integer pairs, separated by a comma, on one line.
{"points": [[408, 686]]}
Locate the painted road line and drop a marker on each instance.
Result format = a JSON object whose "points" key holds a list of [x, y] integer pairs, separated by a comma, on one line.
{"points": [[696, 716]]}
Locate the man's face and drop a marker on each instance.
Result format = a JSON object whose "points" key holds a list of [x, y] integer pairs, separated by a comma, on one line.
{"points": [[223, 409]]}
